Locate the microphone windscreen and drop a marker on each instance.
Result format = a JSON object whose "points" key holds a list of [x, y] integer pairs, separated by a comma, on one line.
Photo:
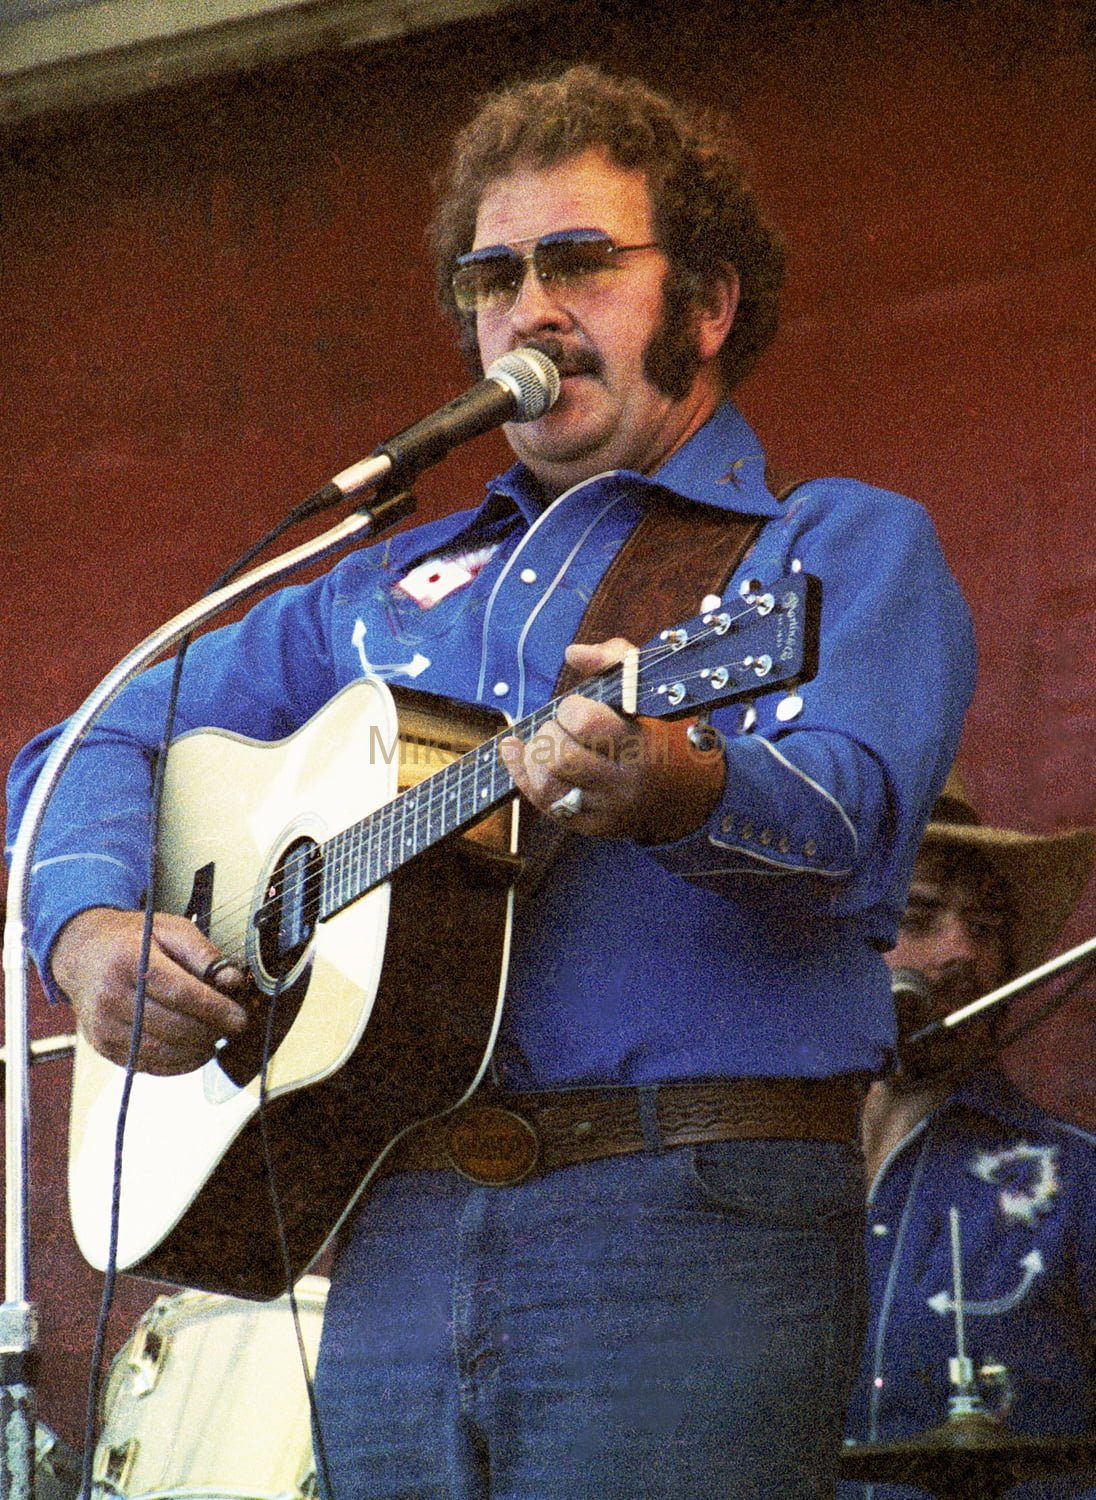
{"points": [[911, 984], [531, 378]]}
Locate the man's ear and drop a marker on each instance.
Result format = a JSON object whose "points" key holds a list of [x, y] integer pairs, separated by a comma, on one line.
{"points": [[715, 307]]}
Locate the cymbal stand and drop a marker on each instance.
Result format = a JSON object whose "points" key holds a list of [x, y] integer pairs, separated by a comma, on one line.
{"points": [[964, 1400], [970, 1453]]}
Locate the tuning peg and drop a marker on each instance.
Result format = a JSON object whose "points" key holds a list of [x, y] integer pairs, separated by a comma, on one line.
{"points": [[747, 718], [755, 594]]}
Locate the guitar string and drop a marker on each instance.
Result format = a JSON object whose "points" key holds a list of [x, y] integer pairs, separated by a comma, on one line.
{"points": [[378, 829], [375, 834], [385, 832], [363, 860]]}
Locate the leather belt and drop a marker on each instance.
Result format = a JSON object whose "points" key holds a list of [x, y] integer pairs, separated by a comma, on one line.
{"points": [[497, 1138]]}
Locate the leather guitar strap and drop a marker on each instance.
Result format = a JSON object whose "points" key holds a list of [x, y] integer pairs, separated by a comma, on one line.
{"points": [[679, 552]]}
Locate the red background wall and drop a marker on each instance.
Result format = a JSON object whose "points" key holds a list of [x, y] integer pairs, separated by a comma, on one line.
{"points": [[216, 297]]}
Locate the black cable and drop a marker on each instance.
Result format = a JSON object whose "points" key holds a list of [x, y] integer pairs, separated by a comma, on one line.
{"points": [[110, 1273], [319, 1448]]}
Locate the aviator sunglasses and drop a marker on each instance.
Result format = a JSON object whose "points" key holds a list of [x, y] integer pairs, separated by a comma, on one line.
{"points": [[490, 280]]}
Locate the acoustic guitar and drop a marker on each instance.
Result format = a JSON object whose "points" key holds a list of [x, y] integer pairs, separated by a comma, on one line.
{"points": [[362, 870]]}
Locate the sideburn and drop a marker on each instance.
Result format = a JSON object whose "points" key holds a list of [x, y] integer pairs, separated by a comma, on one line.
{"points": [[672, 359]]}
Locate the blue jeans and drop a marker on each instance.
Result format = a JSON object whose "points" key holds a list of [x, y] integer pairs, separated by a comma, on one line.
{"points": [[680, 1325]]}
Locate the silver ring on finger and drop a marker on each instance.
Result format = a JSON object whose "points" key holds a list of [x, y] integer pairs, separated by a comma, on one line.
{"points": [[567, 806]]}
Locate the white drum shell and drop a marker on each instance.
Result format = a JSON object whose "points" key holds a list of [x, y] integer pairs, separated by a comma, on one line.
{"points": [[208, 1399]]}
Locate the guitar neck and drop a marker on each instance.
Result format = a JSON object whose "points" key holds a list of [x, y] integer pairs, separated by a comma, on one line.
{"points": [[765, 639], [372, 850]]}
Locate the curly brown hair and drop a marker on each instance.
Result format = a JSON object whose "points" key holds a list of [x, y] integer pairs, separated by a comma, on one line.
{"points": [[705, 214]]}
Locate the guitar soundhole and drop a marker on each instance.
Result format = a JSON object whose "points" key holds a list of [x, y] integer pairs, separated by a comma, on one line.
{"points": [[287, 918], [284, 925]]}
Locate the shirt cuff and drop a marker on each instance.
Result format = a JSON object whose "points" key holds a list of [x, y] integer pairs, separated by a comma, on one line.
{"points": [[66, 885], [773, 820]]}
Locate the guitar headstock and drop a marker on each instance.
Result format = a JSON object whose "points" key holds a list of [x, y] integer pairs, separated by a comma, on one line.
{"points": [[759, 641]]}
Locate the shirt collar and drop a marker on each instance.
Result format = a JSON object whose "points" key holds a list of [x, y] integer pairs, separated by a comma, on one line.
{"points": [[722, 464], [988, 1092]]}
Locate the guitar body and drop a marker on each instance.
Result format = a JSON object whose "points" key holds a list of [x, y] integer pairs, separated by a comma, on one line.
{"points": [[386, 1016]]}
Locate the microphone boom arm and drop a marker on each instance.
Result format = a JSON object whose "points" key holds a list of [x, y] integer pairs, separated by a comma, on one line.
{"points": [[18, 1319], [1006, 991], [520, 387]]}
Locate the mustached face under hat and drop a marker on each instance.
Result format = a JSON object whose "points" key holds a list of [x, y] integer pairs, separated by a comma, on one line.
{"points": [[1045, 872]]}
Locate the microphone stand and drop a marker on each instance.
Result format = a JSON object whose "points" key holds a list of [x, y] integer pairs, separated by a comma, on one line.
{"points": [[18, 1317]]}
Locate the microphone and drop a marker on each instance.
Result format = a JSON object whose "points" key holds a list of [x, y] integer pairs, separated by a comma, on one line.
{"points": [[518, 387], [912, 995], [910, 984]]}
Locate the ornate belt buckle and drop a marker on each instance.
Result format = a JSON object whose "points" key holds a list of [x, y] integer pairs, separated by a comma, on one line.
{"points": [[491, 1146]]}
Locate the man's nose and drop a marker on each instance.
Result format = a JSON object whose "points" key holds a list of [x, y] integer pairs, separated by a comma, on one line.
{"points": [[955, 939], [536, 305]]}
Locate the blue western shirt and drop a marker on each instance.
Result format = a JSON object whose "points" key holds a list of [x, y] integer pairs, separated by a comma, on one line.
{"points": [[1024, 1185], [752, 946]]}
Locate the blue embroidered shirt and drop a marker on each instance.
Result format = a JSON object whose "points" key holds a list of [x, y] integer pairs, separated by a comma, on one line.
{"points": [[750, 947]]}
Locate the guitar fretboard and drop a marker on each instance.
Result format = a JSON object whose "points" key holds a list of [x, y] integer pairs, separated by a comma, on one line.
{"points": [[716, 658], [372, 850]]}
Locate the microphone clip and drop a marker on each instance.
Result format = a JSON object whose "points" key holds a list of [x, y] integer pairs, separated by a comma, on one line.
{"points": [[387, 508]]}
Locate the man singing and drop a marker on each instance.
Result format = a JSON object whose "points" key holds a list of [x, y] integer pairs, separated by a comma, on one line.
{"points": [[667, 1301]]}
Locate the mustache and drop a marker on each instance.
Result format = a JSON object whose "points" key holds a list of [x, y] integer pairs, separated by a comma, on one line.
{"points": [[957, 990], [577, 361]]}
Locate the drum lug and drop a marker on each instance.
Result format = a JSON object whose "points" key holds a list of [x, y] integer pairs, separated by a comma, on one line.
{"points": [[146, 1357], [114, 1465]]}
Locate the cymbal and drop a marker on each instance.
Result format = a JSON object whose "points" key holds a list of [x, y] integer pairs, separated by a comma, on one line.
{"points": [[963, 1451]]}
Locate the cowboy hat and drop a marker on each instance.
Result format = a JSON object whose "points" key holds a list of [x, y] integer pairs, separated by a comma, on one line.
{"points": [[1046, 872]]}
